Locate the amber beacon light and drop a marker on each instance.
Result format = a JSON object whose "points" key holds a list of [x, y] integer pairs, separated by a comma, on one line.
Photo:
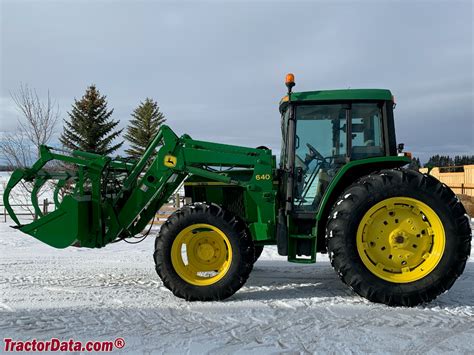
{"points": [[290, 81]]}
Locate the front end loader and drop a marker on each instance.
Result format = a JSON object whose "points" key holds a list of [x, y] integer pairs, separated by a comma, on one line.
{"points": [[393, 235]]}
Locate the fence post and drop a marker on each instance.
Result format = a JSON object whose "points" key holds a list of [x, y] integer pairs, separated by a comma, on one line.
{"points": [[45, 206]]}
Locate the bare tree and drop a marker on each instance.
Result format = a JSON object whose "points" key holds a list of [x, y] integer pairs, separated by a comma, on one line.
{"points": [[36, 127], [15, 150]]}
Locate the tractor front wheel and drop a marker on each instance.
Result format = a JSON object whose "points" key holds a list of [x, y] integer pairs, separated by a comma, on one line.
{"points": [[398, 237], [258, 252], [203, 253]]}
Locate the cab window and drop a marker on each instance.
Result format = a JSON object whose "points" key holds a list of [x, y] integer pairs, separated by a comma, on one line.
{"points": [[320, 150], [284, 129], [367, 138]]}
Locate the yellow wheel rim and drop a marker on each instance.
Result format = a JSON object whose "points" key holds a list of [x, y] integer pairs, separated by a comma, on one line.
{"points": [[201, 254], [400, 239]]}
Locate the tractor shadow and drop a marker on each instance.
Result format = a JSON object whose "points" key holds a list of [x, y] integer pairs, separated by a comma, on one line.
{"points": [[280, 280]]}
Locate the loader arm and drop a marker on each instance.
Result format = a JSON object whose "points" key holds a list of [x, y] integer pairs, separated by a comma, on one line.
{"points": [[117, 198]]}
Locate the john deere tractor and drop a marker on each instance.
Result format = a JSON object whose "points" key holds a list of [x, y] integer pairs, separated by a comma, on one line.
{"points": [[393, 235]]}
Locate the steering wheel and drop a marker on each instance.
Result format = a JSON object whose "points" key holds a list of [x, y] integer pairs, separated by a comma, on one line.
{"points": [[313, 153]]}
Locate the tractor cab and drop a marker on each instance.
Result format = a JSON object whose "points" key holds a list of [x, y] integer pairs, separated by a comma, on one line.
{"points": [[324, 130], [329, 139]]}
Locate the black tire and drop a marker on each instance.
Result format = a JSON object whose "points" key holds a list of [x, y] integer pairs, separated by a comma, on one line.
{"points": [[258, 252], [353, 204], [242, 252]]}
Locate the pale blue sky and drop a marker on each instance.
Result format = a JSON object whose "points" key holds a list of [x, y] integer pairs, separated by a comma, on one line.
{"points": [[216, 68]]}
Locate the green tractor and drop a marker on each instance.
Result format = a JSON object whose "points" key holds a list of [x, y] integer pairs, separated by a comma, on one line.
{"points": [[393, 235]]}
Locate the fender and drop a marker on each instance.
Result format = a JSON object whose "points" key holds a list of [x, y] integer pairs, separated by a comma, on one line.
{"points": [[345, 177]]}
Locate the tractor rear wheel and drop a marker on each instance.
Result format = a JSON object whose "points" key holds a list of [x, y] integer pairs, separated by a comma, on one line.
{"points": [[203, 253], [398, 237]]}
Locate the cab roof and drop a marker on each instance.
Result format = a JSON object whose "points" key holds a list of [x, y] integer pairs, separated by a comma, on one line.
{"points": [[336, 95]]}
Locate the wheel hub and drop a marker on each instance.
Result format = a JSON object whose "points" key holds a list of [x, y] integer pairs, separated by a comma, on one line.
{"points": [[400, 239], [205, 252], [201, 254]]}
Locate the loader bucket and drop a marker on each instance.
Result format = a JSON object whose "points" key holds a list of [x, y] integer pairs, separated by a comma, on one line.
{"points": [[68, 225]]}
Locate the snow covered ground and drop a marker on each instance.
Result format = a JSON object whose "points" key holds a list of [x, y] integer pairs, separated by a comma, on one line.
{"points": [[291, 308]]}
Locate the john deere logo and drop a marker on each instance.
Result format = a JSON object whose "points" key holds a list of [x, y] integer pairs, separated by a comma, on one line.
{"points": [[170, 161]]}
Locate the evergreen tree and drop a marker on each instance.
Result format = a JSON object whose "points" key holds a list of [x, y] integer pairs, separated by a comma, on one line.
{"points": [[144, 125], [418, 163], [440, 161], [463, 160], [91, 128], [414, 164]]}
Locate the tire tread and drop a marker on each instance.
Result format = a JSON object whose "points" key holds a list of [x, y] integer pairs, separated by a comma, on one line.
{"points": [[371, 189]]}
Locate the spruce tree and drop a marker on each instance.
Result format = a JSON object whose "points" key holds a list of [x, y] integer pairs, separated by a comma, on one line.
{"points": [[90, 127], [144, 125], [414, 164]]}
